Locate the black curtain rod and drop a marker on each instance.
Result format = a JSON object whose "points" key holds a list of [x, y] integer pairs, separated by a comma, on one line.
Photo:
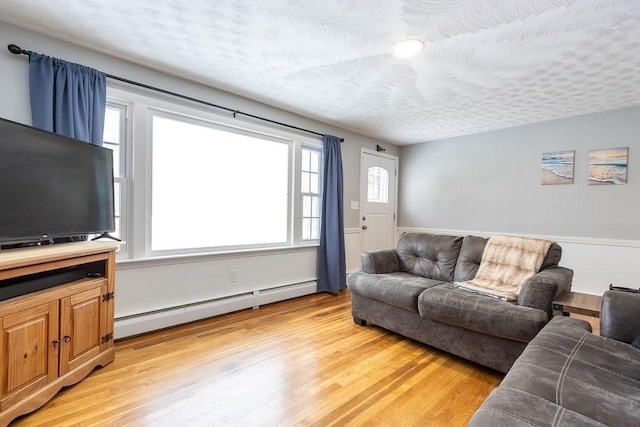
{"points": [[18, 51]]}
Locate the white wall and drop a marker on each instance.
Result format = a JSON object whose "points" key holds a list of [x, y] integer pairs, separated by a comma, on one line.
{"points": [[162, 292], [490, 183]]}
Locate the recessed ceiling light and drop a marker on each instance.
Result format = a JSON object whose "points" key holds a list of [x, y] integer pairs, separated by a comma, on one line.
{"points": [[408, 48]]}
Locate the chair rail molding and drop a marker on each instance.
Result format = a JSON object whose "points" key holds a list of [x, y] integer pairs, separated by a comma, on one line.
{"points": [[559, 239]]}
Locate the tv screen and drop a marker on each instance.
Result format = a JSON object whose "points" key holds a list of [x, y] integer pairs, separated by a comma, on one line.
{"points": [[52, 186]]}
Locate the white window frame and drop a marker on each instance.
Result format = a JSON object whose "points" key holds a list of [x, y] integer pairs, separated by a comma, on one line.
{"points": [[139, 151], [319, 150], [124, 176], [153, 112]]}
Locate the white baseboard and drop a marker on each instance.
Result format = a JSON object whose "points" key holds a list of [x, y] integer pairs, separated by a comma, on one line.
{"points": [[269, 296], [152, 321]]}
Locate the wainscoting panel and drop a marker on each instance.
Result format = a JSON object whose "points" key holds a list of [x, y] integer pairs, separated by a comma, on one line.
{"points": [[352, 248], [162, 292], [596, 262], [146, 322]]}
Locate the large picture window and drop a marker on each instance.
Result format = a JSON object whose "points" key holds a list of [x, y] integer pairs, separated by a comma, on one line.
{"points": [[191, 181], [216, 186]]}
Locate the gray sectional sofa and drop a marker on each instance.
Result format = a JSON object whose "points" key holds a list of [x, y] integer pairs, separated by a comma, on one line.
{"points": [[409, 290], [570, 377]]}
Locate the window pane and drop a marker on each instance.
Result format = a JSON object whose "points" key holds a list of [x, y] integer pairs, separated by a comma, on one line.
{"points": [[315, 161], [313, 187], [112, 125], [306, 206], [315, 228], [315, 207], [117, 234], [116, 198], [305, 160], [378, 185], [305, 182], [306, 229], [216, 188]]}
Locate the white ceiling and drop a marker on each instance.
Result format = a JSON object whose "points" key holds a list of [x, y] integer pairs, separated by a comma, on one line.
{"points": [[489, 64]]}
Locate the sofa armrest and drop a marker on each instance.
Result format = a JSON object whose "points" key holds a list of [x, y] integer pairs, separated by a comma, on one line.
{"points": [[380, 262], [542, 288], [620, 316]]}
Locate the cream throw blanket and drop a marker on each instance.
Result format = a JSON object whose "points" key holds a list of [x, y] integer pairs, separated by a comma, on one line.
{"points": [[507, 262]]}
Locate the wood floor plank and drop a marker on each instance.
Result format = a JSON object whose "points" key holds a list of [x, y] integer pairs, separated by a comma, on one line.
{"points": [[298, 362]]}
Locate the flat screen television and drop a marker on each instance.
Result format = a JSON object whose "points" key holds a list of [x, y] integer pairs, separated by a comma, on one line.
{"points": [[52, 186]]}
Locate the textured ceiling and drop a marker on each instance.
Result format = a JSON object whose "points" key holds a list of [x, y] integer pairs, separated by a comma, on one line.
{"points": [[488, 64]]}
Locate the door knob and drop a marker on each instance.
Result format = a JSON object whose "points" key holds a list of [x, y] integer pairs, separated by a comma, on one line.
{"points": [[364, 227]]}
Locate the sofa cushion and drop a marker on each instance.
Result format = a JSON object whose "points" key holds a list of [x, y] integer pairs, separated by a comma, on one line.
{"points": [[595, 376], [553, 257], [429, 255], [397, 289], [469, 259], [471, 254], [480, 313], [516, 408]]}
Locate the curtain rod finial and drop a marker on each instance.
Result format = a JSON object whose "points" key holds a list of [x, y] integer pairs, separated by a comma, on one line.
{"points": [[341, 139], [16, 50]]}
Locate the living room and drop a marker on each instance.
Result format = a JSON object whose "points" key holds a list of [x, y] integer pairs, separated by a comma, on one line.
{"points": [[483, 184]]}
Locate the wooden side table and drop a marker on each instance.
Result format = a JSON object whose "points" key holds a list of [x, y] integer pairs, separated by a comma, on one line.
{"points": [[578, 303], [582, 306]]}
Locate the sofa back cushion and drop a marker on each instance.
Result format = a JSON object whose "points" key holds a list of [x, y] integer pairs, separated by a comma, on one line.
{"points": [[469, 259], [429, 255], [471, 254], [553, 257]]}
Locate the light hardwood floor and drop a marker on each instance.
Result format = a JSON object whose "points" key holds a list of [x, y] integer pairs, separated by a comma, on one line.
{"points": [[298, 362]]}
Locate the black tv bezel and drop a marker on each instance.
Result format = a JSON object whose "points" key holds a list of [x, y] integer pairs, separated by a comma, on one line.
{"points": [[48, 238]]}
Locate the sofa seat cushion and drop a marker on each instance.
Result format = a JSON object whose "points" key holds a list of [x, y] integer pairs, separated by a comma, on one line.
{"points": [[397, 289], [595, 376], [469, 310]]}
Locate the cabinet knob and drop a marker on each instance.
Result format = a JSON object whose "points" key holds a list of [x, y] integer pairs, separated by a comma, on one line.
{"points": [[364, 227], [55, 343], [67, 338]]}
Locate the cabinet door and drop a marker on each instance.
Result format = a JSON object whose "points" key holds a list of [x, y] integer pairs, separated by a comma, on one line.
{"points": [[82, 326], [29, 348]]}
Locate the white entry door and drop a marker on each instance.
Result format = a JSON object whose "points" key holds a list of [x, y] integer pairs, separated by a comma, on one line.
{"points": [[378, 174]]}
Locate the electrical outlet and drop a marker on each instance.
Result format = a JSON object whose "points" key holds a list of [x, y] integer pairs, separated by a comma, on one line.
{"points": [[233, 275]]}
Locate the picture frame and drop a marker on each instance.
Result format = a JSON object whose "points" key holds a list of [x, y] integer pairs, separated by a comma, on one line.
{"points": [[558, 167]]}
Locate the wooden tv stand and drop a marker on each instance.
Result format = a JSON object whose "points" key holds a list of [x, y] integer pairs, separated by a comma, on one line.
{"points": [[53, 337]]}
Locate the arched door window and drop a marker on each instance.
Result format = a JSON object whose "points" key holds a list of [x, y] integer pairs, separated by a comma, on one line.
{"points": [[378, 185]]}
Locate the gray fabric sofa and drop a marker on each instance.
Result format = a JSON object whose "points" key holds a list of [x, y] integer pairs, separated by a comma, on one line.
{"points": [[569, 377], [409, 290]]}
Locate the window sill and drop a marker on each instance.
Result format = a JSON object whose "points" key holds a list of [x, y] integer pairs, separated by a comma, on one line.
{"points": [[206, 256]]}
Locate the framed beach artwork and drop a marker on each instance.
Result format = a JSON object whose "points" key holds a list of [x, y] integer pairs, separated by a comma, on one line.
{"points": [[557, 167], [608, 166]]}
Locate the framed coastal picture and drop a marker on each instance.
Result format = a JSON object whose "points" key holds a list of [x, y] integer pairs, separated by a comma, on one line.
{"points": [[608, 166], [557, 167]]}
